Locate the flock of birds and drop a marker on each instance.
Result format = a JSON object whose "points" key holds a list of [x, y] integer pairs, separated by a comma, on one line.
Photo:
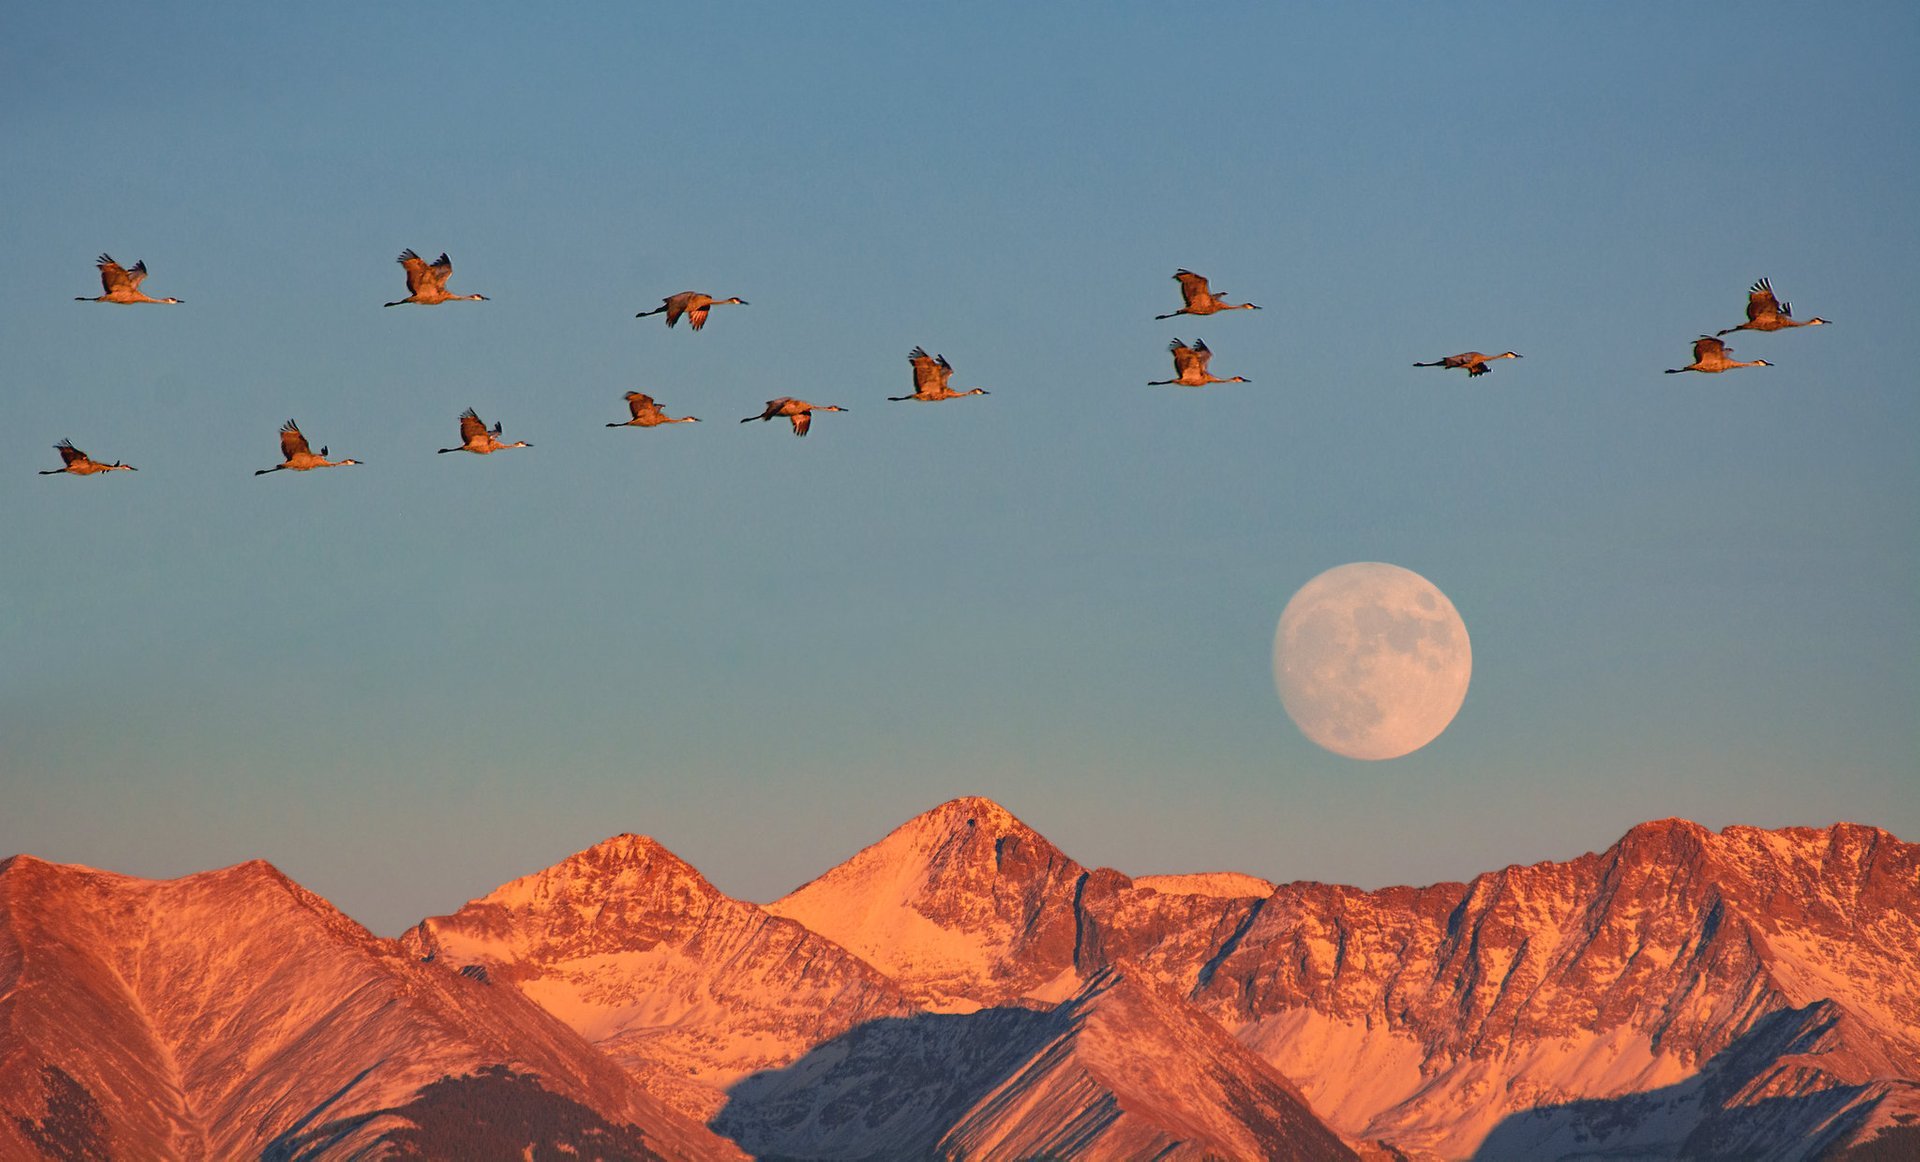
{"points": [[427, 286]]}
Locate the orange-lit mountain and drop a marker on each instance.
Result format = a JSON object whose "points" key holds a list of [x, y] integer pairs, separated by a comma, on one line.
{"points": [[686, 987], [233, 1014], [962, 988], [1683, 994]]}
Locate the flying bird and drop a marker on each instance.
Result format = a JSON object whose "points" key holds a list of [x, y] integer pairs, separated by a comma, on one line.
{"points": [[692, 304], [121, 284], [647, 414], [81, 464], [1767, 313], [1190, 367], [427, 283], [930, 376], [1200, 300], [1710, 355], [1473, 361], [296, 455], [475, 437], [797, 410]]}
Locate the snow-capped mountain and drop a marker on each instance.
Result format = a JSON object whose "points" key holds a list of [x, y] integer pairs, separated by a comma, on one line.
{"points": [[1434, 1017], [966, 906], [234, 1014], [686, 987], [1118, 1071], [1446, 1019], [962, 988]]}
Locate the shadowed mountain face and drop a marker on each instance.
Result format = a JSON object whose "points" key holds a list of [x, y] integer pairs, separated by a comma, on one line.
{"points": [[964, 989], [1118, 1071]]}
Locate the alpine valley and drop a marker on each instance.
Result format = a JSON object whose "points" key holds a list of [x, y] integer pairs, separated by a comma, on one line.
{"points": [[962, 989]]}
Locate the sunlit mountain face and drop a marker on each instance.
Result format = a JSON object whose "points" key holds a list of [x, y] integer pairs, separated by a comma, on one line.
{"points": [[963, 988]]}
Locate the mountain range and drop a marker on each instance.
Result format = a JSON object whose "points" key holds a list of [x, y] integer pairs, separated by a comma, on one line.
{"points": [[964, 989]]}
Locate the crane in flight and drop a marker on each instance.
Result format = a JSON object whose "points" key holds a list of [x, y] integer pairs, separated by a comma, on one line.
{"points": [[121, 283], [693, 304], [1190, 367], [81, 464], [427, 282]]}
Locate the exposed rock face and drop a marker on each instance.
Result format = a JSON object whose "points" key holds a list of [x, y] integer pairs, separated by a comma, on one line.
{"points": [[686, 987], [963, 988], [232, 1013], [1431, 1017], [1615, 973], [967, 906]]}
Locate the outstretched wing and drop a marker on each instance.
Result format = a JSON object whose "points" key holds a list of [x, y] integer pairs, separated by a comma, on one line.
{"points": [[1202, 354], [1761, 303], [418, 273], [801, 422], [69, 453], [441, 268], [292, 443], [946, 371], [1184, 358], [926, 372], [114, 277], [1707, 348], [640, 404], [471, 426], [1193, 287]]}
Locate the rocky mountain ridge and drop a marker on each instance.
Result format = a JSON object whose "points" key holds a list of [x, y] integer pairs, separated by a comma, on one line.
{"points": [[962, 988]]}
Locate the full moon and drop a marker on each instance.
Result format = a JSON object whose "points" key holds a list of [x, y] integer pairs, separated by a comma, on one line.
{"points": [[1371, 660]]}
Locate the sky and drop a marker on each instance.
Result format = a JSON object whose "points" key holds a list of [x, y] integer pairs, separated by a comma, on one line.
{"points": [[408, 682]]}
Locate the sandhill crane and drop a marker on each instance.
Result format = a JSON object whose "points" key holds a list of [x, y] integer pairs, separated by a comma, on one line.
{"points": [[121, 284], [1190, 367], [797, 410], [1200, 300], [1766, 313], [692, 304], [1473, 361], [427, 283], [647, 414], [474, 436], [1710, 354], [930, 376], [81, 464], [293, 446]]}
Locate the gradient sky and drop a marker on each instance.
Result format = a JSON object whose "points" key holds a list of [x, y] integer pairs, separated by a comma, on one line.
{"points": [[408, 682]]}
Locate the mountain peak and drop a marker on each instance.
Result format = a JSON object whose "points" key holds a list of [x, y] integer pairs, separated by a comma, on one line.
{"points": [[624, 867], [965, 813], [952, 899]]}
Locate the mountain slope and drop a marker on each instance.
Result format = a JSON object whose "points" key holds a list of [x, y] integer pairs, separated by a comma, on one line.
{"points": [[967, 906], [1616, 973], [234, 1013], [1430, 1016], [1118, 1071], [686, 987]]}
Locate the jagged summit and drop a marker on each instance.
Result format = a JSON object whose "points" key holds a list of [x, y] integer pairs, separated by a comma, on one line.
{"points": [[951, 899], [683, 985], [627, 868]]}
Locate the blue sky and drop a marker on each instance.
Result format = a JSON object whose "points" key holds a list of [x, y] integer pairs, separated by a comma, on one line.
{"points": [[408, 682]]}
